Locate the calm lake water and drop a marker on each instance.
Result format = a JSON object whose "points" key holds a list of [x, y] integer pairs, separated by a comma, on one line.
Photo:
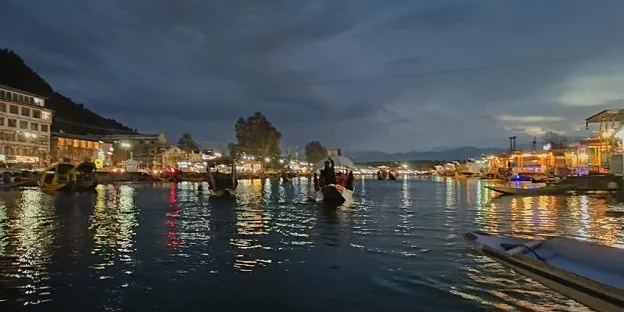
{"points": [[171, 248]]}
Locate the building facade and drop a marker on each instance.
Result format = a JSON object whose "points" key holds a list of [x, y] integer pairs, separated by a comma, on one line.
{"points": [[25, 125], [81, 147], [144, 148]]}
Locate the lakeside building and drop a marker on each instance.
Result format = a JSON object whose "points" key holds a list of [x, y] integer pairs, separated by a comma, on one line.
{"points": [[602, 152], [147, 149], [24, 127], [80, 147]]}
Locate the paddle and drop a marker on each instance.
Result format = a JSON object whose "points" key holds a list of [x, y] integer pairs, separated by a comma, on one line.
{"points": [[512, 246]]}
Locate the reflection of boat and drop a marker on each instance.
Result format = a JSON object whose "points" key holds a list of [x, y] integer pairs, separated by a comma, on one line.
{"points": [[546, 190], [57, 177], [588, 273], [335, 194], [223, 193]]}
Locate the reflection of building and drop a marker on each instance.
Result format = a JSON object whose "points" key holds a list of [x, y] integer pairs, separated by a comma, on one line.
{"points": [[144, 148], [79, 147], [24, 126]]}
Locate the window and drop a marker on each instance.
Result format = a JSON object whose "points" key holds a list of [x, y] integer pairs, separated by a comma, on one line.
{"points": [[76, 143], [20, 98], [23, 124], [8, 95], [61, 141], [26, 111], [1, 121], [14, 109], [12, 123], [44, 128], [31, 100], [2, 94], [14, 96], [36, 113], [3, 107], [45, 115], [34, 126]]}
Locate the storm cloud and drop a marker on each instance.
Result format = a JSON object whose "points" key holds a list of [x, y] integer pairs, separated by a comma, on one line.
{"points": [[358, 74]]}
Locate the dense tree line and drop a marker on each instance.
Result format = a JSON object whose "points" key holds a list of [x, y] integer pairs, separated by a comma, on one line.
{"points": [[68, 116]]}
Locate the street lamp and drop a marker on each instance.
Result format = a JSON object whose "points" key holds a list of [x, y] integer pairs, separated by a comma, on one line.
{"points": [[127, 146]]}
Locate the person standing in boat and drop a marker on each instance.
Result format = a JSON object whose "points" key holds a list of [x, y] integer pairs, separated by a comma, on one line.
{"points": [[330, 174]]}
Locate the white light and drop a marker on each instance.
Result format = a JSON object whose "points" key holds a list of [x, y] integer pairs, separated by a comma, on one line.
{"points": [[620, 134], [281, 161], [267, 159]]}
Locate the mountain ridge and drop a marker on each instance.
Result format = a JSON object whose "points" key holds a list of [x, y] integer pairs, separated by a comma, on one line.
{"points": [[458, 153], [69, 117]]}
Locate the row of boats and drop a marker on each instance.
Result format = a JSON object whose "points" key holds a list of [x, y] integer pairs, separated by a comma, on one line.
{"points": [[66, 177]]}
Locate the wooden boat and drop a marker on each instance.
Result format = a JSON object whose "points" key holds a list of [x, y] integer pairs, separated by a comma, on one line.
{"points": [[336, 194], [223, 185], [546, 190], [86, 179], [588, 273], [58, 177]]}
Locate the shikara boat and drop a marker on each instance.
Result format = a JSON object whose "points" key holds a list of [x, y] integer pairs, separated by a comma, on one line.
{"points": [[58, 177], [589, 273], [335, 194], [546, 190], [223, 185], [86, 179]]}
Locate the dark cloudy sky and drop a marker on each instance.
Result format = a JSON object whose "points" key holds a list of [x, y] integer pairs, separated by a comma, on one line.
{"points": [[197, 65]]}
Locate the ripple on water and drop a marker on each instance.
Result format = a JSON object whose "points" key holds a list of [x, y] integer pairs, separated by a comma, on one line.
{"points": [[133, 248]]}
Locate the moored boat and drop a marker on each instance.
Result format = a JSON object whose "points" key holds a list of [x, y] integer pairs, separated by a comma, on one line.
{"points": [[223, 184], [589, 273], [58, 177], [546, 190], [86, 179]]}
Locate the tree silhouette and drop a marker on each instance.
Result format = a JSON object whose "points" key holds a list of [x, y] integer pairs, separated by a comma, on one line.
{"points": [[315, 152], [187, 143], [255, 136], [556, 140]]}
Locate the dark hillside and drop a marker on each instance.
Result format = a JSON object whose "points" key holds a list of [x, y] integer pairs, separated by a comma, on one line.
{"points": [[69, 117]]}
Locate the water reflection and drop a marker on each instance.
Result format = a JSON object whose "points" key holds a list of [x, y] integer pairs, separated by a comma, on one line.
{"points": [[113, 222], [400, 244], [30, 229]]}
